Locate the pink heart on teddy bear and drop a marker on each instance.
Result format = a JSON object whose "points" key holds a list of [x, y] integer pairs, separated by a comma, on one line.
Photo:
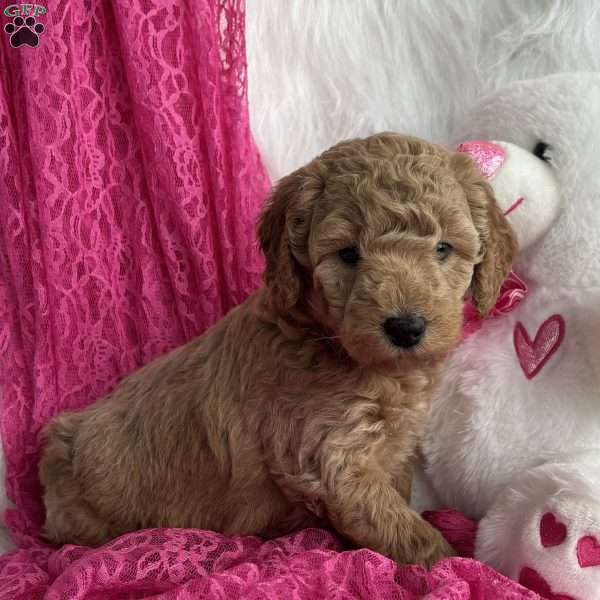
{"points": [[533, 355], [531, 579], [552, 531], [588, 552]]}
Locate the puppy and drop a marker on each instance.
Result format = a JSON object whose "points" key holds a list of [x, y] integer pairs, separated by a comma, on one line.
{"points": [[304, 405]]}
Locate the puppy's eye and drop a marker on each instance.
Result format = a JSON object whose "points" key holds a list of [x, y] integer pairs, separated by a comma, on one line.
{"points": [[443, 250], [541, 151], [349, 255]]}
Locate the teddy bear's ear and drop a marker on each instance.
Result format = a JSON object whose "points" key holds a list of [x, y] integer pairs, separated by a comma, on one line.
{"points": [[498, 242]]}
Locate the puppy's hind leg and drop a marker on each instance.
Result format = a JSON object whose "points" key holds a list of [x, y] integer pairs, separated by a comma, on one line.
{"points": [[69, 518]]}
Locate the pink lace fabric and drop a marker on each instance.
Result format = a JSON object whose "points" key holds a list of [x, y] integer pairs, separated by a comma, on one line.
{"points": [[189, 564], [129, 190]]}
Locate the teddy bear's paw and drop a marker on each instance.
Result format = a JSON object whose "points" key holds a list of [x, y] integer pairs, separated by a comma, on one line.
{"points": [[560, 550], [545, 533]]}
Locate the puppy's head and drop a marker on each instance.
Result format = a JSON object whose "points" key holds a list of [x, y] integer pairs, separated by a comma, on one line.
{"points": [[380, 239]]}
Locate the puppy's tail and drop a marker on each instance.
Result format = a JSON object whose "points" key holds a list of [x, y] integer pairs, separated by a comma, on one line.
{"points": [[69, 517]]}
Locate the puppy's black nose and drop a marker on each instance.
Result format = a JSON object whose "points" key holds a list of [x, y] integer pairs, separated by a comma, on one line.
{"points": [[405, 331]]}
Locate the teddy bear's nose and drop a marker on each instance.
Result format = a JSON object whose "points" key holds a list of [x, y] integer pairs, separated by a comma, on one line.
{"points": [[488, 156]]}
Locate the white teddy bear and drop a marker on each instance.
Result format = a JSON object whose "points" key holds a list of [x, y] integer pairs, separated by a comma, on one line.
{"points": [[514, 438]]}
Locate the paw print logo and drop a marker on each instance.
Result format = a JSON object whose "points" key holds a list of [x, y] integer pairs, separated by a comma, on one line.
{"points": [[24, 31]]}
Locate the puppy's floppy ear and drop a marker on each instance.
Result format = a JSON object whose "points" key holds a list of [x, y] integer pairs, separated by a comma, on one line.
{"points": [[498, 242], [283, 229]]}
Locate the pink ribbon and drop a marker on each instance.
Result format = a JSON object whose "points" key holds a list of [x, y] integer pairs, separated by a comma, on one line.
{"points": [[512, 292]]}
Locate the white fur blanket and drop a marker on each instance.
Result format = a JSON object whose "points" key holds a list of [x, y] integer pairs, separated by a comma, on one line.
{"points": [[323, 70]]}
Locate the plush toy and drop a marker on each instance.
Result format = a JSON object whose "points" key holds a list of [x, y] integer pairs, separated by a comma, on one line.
{"points": [[514, 438]]}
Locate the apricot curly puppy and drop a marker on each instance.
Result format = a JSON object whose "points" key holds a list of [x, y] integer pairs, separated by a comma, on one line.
{"points": [[304, 405]]}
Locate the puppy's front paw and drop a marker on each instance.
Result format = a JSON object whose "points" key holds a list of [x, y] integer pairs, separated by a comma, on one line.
{"points": [[425, 546], [439, 550]]}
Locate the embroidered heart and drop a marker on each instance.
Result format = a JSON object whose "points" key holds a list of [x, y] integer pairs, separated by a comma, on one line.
{"points": [[552, 532], [588, 552], [534, 355], [531, 579]]}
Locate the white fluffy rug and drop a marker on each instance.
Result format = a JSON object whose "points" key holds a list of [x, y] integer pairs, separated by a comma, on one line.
{"points": [[324, 70]]}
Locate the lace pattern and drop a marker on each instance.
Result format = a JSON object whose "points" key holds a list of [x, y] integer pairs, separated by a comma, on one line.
{"points": [[129, 190], [187, 564]]}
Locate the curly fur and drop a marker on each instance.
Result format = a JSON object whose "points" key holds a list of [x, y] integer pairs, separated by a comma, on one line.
{"points": [[295, 409]]}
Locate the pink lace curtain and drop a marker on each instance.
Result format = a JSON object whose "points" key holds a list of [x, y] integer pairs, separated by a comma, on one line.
{"points": [[129, 186]]}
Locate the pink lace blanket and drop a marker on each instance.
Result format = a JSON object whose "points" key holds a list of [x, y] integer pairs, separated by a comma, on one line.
{"points": [[189, 564], [129, 190]]}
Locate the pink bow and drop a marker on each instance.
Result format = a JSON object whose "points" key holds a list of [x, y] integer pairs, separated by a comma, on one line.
{"points": [[512, 292]]}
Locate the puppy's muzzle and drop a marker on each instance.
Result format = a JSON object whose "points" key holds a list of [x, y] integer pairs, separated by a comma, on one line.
{"points": [[405, 331]]}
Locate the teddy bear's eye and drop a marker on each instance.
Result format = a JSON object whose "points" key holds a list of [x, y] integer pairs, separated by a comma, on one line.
{"points": [[540, 150]]}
